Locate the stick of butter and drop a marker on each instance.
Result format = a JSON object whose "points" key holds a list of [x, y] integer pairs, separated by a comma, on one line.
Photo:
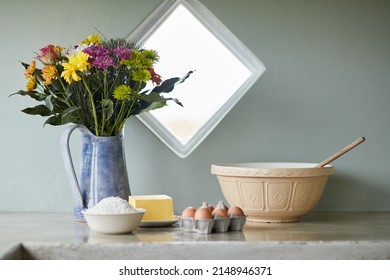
{"points": [[158, 207]]}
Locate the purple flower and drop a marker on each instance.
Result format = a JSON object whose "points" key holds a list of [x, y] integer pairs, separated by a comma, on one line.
{"points": [[100, 56], [103, 62], [122, 52], [96, 51]]}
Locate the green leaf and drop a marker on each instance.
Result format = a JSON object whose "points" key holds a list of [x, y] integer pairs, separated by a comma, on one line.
{"points": [[33, 94], [166, 86], [59, 106], [48, 103], [176, 101], [54, 120], [71, 115], [25, 65], [41, 110], [155, 101], [185, 77], [153, 97], [153, 106], [108, 107]]}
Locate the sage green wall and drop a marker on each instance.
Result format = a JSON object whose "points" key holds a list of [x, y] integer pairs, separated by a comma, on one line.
{"points": [[326, 84]]}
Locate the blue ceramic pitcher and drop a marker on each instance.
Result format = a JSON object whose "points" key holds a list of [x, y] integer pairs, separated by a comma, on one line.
{"points": [[103, 169]]}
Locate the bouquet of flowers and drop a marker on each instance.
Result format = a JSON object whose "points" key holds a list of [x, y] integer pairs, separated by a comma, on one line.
{"points": [[98, 83]]}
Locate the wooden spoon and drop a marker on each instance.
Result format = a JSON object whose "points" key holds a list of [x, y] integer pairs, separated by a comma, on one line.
{"points": [[341, 152]]}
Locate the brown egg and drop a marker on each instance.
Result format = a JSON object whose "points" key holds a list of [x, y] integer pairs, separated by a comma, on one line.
{"points": [[211, 208], [188, 212], [203, 213], [220, 212], [235, 210]]}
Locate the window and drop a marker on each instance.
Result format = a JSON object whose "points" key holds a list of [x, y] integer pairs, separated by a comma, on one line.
{"points": [[189, 37]]}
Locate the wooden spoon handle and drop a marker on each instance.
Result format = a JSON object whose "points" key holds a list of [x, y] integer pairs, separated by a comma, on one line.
{"points": [[341, 152]]}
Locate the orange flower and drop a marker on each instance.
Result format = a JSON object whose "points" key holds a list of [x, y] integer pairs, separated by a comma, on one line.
{"points": [[31, 83], [49, 72], [30, 69]]}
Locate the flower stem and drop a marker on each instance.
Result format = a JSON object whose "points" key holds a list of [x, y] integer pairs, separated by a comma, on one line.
{"points": [[93, 108], [105, 93], [64, 92], [119, 120]]}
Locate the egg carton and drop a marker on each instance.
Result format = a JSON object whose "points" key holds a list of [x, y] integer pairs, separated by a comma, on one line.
{"points": [[218, 224]]}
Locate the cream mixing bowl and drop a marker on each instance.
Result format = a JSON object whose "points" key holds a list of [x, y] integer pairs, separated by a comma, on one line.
{"points": [[272, 191]]}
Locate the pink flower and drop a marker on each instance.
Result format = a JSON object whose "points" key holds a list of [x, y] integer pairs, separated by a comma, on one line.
{"points": [[96, 51], [103, 62], [99, 56], [48, 54], [122, 52]]}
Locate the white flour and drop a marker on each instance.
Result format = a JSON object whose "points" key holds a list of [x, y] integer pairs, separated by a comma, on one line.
{"points": [[112, 205]]}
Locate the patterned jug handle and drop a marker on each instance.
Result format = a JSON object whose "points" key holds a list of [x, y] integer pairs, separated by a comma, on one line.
{"points": [[69, 167]]}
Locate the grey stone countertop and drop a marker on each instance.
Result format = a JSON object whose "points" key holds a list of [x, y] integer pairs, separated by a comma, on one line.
{"points": [[317, 236]]}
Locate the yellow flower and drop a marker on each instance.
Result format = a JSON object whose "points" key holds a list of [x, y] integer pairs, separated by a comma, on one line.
{"points": [[148, 58], [93, 38], [141, 75], [144, 59], [49, 72], [77, 62], [122, 92], [30, 69], [31, 83]]}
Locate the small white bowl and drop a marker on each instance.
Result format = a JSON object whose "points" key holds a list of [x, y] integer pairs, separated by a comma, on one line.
{"points": [[114, 223]]}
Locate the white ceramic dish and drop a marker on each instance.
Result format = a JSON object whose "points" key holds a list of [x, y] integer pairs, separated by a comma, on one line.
{"points": [[160, 223], [114, 223]]}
